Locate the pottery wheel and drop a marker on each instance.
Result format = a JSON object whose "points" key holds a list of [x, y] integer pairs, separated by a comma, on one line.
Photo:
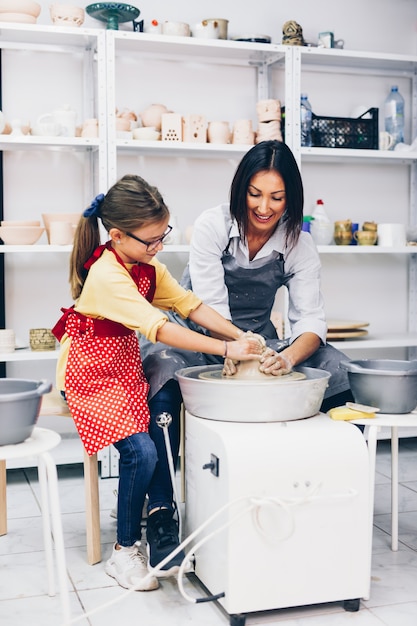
{"points": [[113, 13], [217, 375]]}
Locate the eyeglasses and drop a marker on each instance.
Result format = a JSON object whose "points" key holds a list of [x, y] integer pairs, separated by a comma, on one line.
{"points": [[151, 245]]}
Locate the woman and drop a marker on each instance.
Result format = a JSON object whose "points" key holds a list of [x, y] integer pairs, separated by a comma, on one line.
{"points": [[241, 254]]}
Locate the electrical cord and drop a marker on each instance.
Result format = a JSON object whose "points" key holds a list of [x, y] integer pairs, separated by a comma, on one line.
{"points": [[254, 505]]}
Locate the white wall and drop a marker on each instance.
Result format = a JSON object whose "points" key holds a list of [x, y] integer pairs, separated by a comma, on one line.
{"points": [[189, 187]]}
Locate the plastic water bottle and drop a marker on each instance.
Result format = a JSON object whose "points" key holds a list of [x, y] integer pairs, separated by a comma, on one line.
{"points": [[306, 119], [394, 115], [319, 212]]}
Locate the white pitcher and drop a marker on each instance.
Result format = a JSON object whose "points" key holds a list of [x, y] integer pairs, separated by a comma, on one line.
{"points": [[66, 118], [60, 122]]}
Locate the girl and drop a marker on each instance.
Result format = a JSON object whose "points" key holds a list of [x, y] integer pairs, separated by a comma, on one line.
{"points": [[119, 288]]}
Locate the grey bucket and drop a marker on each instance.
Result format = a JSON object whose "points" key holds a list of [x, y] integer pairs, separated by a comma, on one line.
{"points": [[20, 403]]}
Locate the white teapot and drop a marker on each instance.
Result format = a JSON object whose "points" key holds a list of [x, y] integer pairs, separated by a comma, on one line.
{"points": [[60, 122]]}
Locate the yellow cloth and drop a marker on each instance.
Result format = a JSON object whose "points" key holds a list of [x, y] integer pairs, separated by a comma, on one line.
{"points": [[347, 414], [110, 293]]}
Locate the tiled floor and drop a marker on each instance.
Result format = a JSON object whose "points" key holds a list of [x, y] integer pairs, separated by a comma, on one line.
{"points": [[23, 599]]}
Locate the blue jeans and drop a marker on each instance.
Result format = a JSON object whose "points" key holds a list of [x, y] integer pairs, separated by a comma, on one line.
{"points": [[137, 463], [168, 399]]}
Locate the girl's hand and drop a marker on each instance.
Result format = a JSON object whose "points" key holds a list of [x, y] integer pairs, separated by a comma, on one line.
{"points": [[246, 348], [231, 363], [274, 363]]}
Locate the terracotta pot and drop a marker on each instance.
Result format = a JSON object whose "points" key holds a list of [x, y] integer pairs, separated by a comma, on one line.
{"points": [[218, 132], [66, 15]]}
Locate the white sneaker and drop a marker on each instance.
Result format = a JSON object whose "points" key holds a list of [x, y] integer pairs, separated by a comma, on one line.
{"points": [[113, 512], [128, 566]]}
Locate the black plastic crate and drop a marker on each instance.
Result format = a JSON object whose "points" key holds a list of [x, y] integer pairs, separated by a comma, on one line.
{"points": [[346, 132]]}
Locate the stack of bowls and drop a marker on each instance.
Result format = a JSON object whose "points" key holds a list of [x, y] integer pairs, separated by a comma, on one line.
{"points": [[20, 233], [21, 11]]}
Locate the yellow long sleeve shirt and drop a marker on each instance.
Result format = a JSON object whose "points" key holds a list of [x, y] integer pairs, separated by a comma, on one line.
{"points": [[110, 293]]}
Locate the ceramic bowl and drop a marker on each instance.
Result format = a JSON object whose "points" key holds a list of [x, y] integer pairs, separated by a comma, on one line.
{"points": [[20, 403], [20, 223], [18, 18], [20, 235], [66, 15], [178, 29], [72, 218], [149, 133], [20, 6]]}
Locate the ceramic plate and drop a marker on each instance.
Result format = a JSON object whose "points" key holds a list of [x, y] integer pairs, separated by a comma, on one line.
{"points": [[346, 334], [104, 10], [333, 325], [254, 38]]}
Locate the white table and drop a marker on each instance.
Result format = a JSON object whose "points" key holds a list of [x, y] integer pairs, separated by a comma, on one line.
{"points": [[373, 426]]}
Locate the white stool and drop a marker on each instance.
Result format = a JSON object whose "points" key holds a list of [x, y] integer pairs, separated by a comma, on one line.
{"points": [[394, 421], [38, 445]]}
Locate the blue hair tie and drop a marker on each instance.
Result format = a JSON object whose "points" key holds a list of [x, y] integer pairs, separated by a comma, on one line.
{"points": [[94, 209]]}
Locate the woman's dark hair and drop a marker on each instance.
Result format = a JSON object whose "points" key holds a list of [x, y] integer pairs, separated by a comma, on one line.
{"points": [[129, 204], [266, 156]]}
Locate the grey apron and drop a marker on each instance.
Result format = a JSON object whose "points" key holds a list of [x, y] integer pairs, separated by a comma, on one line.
{"points": [[252, 294]]}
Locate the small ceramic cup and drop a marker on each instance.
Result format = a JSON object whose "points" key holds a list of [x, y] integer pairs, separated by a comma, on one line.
{"points": [[343, 237], [365, 237], [218, 132], [373, 226], [7, 340], [41, 339], [386, 140], [61, 233], [206, 30], [243, 132]]}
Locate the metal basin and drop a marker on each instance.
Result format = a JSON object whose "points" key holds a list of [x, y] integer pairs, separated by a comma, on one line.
{"points": [[229, 400], [389, 385], [20, 403]]}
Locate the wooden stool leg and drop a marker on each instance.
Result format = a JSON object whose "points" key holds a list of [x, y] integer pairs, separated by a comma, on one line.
{"points": [[3, 499], [92, 508]]}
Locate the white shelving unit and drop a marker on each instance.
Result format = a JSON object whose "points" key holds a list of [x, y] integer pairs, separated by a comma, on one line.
{"points": [[118, 64], [34, 282], [323, 74], [190, 53]]}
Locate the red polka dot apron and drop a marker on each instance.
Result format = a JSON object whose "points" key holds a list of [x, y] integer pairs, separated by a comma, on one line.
{"points": [[105, 386]]}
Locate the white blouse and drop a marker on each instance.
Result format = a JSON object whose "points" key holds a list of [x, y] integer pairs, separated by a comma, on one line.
{"points": [[211, 234]]}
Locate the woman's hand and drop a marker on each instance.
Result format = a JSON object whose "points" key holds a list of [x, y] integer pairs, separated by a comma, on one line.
{"points": [[229, 367], [274, 363]]}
